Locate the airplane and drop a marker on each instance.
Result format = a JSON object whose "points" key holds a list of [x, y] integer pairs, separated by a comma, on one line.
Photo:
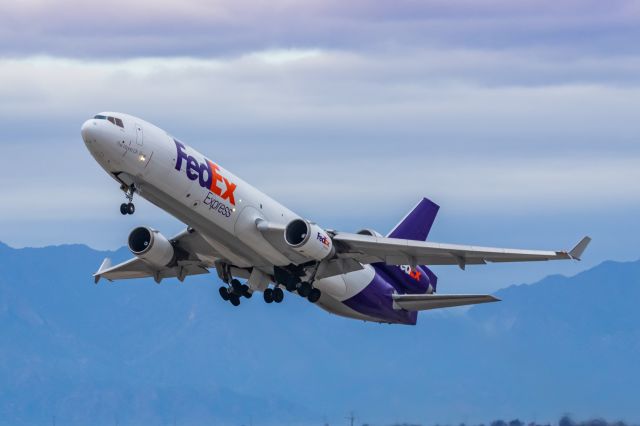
{"points": [[244, 234]]}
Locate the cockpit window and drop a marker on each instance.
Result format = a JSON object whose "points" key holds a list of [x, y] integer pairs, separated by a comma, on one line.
{"points": [[117, 121]]}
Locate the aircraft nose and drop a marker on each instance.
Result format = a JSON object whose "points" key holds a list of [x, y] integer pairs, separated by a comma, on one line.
{"points": [[88, 131]]}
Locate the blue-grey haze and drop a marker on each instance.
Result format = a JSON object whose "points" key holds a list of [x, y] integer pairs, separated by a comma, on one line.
{"points": [[140, 353]]}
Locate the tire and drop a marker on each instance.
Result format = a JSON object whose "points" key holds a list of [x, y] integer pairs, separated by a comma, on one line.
{"points": [[278, 295], [123, 209], [245, 291], [131, 209], [314, 295], [291, 286], [304, 289], [268, 295], [224, 293], [237, 287], [234, 299]]}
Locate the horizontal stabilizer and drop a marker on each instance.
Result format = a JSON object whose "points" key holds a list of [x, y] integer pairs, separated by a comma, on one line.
{"points": [[424, 302]]}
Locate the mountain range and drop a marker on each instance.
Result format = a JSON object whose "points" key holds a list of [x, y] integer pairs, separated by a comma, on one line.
{"points": [[138, 353]]}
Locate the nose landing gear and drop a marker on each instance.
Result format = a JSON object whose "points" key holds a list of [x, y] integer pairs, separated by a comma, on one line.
{"points": [[128, 208]]}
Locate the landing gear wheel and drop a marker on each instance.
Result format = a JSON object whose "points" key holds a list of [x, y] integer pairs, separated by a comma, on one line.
{"points": [[234, 299], [123, 208], [224, 293], [237, 287], [314, 295], [304, 288], [278, 295], [131, 209], [245, 291], [268, 295], [291, 286]]}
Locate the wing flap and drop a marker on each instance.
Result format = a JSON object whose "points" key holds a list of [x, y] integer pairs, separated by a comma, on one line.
{"points": [[424, 302]]}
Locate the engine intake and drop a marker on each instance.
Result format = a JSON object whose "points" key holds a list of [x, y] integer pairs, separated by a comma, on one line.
{"points": [[308, 239], [150, 245]]}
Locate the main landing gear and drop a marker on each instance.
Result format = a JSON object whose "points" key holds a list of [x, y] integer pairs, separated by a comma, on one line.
{"points": [[234, 292], [128, 208], [304, 289], [273, 295], [308, 291]]}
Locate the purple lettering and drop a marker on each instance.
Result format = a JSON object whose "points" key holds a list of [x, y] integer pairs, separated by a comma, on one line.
{"points": [[193, 168], [205, 180], [182, 155]]}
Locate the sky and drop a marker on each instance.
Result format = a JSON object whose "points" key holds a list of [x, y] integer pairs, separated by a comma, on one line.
{"points": [[518, 118]]}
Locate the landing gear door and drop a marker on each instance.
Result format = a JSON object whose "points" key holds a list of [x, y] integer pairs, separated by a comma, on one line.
{"points": [[139, 134]]}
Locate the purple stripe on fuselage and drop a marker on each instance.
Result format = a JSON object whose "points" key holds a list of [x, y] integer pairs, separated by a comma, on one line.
{"points": [[375, 301]]}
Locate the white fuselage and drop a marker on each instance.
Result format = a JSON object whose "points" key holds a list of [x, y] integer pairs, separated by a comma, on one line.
{"points": [[207, 197]]}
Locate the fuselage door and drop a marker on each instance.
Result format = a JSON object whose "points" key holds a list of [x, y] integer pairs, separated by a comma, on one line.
{"points": [[139, 135]]}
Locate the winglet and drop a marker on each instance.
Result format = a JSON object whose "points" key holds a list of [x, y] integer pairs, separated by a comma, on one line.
{"points": [[106, 264], [576, 252]]}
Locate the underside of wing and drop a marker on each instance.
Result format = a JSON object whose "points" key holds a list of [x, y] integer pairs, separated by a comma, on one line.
{"points": [[424, 302], [197, 257], [394, 251], [138, 268]]}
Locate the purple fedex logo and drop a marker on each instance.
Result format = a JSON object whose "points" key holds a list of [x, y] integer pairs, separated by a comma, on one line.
{"points": [[324, 239], [207, 174]]}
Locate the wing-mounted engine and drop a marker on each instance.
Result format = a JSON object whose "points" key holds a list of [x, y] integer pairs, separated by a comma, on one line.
{"points": [[308, 239], [151, 246]]}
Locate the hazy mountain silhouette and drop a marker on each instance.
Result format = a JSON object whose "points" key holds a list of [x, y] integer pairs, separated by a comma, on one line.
{"points": [[140, 353]]}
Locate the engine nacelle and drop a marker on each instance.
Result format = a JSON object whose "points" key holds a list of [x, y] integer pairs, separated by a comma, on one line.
{"points": [[150, 245], [308, 239], [369, 232]]}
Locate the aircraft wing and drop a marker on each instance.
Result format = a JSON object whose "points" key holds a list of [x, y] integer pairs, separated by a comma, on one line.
{"points": [[394, 251], [423, 302], [200, 257]]}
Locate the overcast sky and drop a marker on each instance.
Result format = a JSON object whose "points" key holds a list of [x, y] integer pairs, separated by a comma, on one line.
{"points": [[519, 118]]}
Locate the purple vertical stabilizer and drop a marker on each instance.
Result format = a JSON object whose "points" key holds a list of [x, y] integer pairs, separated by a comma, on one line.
{"points": [[376, 299], [414, 226], [417, 223]]}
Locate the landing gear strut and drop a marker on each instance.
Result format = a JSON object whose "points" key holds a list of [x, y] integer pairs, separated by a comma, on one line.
{"points": [[128, 208]]}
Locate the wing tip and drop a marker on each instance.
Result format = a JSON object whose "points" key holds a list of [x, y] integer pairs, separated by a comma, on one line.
{"points": [[577, 251], [106, 264]]}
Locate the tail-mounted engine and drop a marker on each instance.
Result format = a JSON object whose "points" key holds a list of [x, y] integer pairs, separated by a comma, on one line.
{"points": [[369, 232], [308, 239], [150, 245]]}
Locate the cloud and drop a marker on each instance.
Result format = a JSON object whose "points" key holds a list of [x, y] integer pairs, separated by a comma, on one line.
{"points": [[202, 28], [331, 118]]}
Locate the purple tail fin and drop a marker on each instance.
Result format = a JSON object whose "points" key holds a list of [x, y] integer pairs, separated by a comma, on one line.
{"points": [[417, 224], [414, 226]]}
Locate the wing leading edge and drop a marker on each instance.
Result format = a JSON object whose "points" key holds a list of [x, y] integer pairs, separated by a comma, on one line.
{"points": [[394, 251]]}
